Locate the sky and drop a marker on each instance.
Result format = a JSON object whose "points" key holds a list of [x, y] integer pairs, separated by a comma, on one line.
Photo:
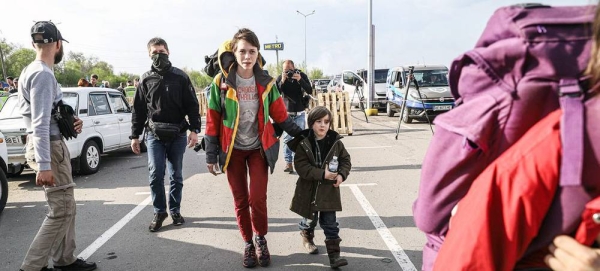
{"points": [[406, 31]]}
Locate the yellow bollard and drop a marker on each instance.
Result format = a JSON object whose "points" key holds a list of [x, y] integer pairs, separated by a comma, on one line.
{"points": [[371, 112]]}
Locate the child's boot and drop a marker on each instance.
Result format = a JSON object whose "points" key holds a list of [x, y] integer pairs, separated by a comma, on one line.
{"points": [[307, 241], [333, 251]]}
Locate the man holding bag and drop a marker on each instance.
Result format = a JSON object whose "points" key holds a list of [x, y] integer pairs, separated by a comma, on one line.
{"points": [[164, 97]]}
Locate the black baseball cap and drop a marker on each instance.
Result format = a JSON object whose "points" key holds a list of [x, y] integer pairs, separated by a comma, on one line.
{"points": [[48, 31]]}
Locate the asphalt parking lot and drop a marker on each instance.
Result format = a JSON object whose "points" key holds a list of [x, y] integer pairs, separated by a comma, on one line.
{"points": [[113, 214]]}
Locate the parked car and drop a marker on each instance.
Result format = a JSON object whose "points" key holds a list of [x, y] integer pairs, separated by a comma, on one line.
{"points": [[321, 85], [435, 93], [3, 170], [106, 119]]}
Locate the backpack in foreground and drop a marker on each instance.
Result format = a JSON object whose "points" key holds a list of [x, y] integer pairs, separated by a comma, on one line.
{"points": [[502, 87]]}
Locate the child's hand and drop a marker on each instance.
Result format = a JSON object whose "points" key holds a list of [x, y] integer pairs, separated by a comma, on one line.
{"points": [[339, 180], [330, 175]]}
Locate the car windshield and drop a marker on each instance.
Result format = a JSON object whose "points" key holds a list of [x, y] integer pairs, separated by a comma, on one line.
{"points": [[10, 110], [428, 78], [324, 82], [380, 76], [71, 99]]}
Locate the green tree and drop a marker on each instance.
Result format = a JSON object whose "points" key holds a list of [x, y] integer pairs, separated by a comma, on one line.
{"points": [[200, 80], [315, 73], [18, 60], [274, 70], [7, 49]]}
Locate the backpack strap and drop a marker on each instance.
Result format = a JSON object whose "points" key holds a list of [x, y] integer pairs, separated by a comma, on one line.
{"points": [[572, 132]]}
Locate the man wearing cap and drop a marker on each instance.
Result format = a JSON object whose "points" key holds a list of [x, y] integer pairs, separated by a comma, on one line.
{"points": [[48, 155]]}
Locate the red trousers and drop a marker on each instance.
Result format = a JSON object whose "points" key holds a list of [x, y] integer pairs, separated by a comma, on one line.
{"points": [[250, 200]]}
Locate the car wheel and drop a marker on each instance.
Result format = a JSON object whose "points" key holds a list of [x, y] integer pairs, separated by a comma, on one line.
{"points": [[405, 117], [389, 111], [90, 158], [3, 190], [16, 173]]}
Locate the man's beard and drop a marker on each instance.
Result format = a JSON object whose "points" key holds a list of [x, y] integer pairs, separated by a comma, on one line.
{"points": [[58, 56]]}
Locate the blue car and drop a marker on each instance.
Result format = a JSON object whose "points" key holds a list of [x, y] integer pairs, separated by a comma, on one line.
{"points": [[434, 99]]}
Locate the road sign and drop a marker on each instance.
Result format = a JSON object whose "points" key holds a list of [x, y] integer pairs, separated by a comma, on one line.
{"points": [[274, 46]]}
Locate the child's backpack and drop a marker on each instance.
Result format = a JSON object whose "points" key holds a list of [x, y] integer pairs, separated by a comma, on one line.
{"points": [[503, 87]]}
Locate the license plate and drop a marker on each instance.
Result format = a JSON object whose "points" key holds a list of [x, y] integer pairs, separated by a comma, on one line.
{"points": [[441, 107], [13, 140]]}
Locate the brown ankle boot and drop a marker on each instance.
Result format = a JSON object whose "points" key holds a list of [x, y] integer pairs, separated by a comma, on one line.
{"points": [[289, 167], [333, 251], [307, 241]]}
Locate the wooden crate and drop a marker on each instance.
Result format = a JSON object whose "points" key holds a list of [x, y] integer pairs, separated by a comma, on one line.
{"points": [[339, 105], [202, 101]]}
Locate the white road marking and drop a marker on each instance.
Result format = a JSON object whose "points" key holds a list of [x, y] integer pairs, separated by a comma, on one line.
{"points": [[113, 230], [10, 207], [408, 127], [28, 206], [358, 184], [79, 204], [383, 231], [142, 193], [373, 147]]}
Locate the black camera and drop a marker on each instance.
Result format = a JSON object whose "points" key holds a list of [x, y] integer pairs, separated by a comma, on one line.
{"points": [[290, 73]]}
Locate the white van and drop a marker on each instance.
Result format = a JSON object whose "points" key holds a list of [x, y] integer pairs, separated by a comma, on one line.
{"points": [[380, 100]]}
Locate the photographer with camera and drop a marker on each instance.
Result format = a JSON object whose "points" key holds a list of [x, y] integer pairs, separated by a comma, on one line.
{"points": [[293, 84]]}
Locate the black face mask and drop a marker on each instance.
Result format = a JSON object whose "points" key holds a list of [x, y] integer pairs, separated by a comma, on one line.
{"points": [[161, 62], [59, 55]]}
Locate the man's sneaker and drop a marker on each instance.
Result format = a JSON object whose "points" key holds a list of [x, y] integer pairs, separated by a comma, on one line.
{"points": [[78, 265], [249, 255], [264, 257], [157, 221], [177, 219]]}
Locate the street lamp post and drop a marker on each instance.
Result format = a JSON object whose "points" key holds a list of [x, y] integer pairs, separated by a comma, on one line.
{"points": [[305, 15]]}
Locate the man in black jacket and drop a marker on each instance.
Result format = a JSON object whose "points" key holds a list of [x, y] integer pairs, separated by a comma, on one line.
{"points": [[293, 84], [164, 97]]}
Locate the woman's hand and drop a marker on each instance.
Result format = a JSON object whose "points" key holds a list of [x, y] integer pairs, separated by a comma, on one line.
{"points": [[568, 254], [213, 169]]}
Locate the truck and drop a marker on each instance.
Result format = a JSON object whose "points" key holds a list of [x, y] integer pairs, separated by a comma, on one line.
{"points": [[435, 97], [379, 101]]}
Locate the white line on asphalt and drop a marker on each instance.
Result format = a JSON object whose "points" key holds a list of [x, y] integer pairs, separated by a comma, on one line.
{"points": [[142, 193], [113, 230], [28, 206], [358, 184], [374, 147], [10, 207], [80, 204], [383, 231], [408, 127]]}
